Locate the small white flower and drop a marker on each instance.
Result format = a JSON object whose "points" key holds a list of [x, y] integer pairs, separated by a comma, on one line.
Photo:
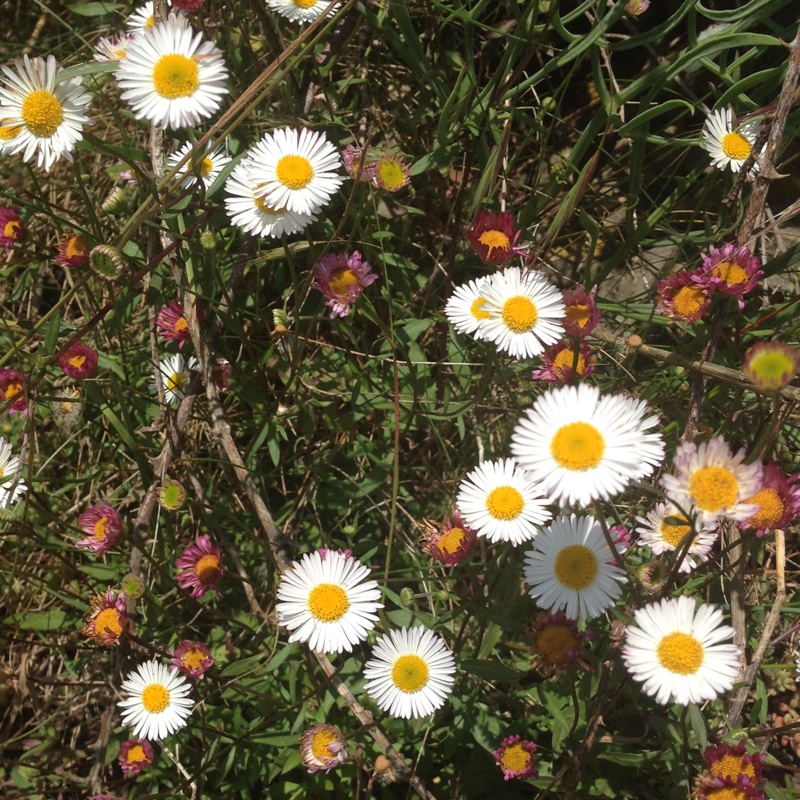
{"points": [[501, 502], [171, 77], [301, 10], [40, 112], [201, 167], [143, 18], [112, 49], [665, 526], [11, 487], [728, 146], [411, 673], [674, 650], [158, 703], [327, 601], [572, 568], [465, 310], [175, 376]]}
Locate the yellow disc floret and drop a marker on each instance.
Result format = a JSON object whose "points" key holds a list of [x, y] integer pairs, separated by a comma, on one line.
{"points": [[577, 446], [328, 602], [713, 488], [575, 567], [519, 314], [42, 113], [155, 698], [505, 502], [680, 653], [175, 76], [410, 673], [295, 172]]}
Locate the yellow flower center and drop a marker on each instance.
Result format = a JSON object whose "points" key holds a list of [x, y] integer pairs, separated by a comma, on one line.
{"points": [[76, 246], [713, 488], [77, 361], [772, 369], [150, 21], [577, 446], [671, 532], [42, 113], [505, 502], [100, 529], [341, 280], [515, 758], [206, 165], [390, 174], [770, 508], [555, 643], [305, 3], [136, 754], [9, 132], [12, 229], [155, 698], [688, 301], [563, 361], [726, 793], [730, 767], [193, 659], [261, 203], [575, 566], [519, 313], [12, 390], [328, 602], [207, 568], [180, 325], [175, 76], [409, 673], [730, 272], [495, 240], [295, 172], [680, 653], [451, 540], [476, 309], [108, 620], [578, 315], [320, 741], [735, 146], [176, 382]]}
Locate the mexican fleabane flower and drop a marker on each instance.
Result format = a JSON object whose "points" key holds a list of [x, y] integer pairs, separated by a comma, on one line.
{"points": [[571, 568], [411, 672], [176, 372], [102, 525], [464, 310], [728, 146], [322, 747], [192, 659], [516, 757], [73, 251], [556, 642], [12, 228], [729, 269], [778, 501], [171, 77], [203, 166], [713, 481], [135, 755], [581, 313], [112, 48], [342, 278], [390, 173], [676, 651], [451, 541], [494, 237], [47, 110], [664, 527], [771, 365], [9, 473], [157, 702], [558, 361], [78, 361], [735, 765], [682, 296], [12, 391], [301, 11], [295, 169], [108, 618], [200, 567], [501, 502], [583, 446], [143, 17], [525, 312], [328, 601]]}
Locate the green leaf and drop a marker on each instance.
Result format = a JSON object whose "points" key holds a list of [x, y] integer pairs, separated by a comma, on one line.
{"points": [[38, 620], [51, 333], [490, 670], [97, 9], [698, 725]]}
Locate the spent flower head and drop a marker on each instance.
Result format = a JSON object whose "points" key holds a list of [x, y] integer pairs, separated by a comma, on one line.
{"points": [[581, 313], [200, 567], [192, 658], [682, 296], [78, 361], [12, 228], [451, 541], [135, 755], [108, 618], [494, 237], [516, 757], [778, 501], [342, 278], [322, 748], [771, 365], [73, 251], [12, 391], [102, 525]]}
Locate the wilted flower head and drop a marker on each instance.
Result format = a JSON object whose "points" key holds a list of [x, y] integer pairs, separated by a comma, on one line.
{"points": [[652, 575], [734, 764], [200, 567], [515, 757], [322, 747], [357, 163], [221, 374], [682, 296], [192, 659], [580, 310], [636, 7], [771, 365], [342, 278], [103, 525], [556, 642], [78, 361], [106, 261], [132, 586], [112, 48], [108, 618], [171, 325], [12, 391], [187, 5], [731, 270], [558, 361], [72, 251], [451, 541], [390, 172], [171, 496], [67, 407], [135, 755], [778, 501], [494, 238], [12, 228]]}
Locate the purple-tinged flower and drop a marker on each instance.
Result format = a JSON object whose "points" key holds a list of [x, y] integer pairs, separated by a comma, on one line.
{"points": [[135, 755], [200, 567], [112, 48], [357, 163], [451, 541], [103, 525], [188, 6], [734, 764], [172, 325], [192, 659], [771, 365], [221, 374], [581, 313], [322, 747], [79, 361], [342, 278], [682, 296], [778, 501], [494, 238], [558, 360], [12, 391], [516, 758], [108, 619], [390, 173], [72, 251], [636, 7], [556, 642], [12, 228], [731, 270]]}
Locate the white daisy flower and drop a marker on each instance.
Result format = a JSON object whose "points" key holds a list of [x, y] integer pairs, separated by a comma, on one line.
{"points": [[572, 568], [41, 111], [201, 167], [143, 18], [501, 502], [525, 312], [465, 310], [676, 653], [665, 527], [175, 376], [11, 487], [171, 77], [583, 446], [301, 11], [728, 146], [252, 213], [113, 48], [713, 481], [158, 703], [411, 673], [296, 170], [326, 601]]}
